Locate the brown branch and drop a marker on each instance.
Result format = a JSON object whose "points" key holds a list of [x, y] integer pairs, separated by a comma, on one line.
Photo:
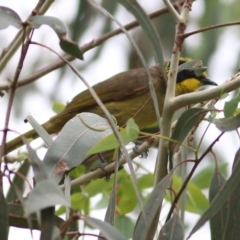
{"points": [[18, 70], [190, 176], [88, 46], [185, 35]]}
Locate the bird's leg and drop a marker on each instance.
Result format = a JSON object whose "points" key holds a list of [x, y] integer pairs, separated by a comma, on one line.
{"points": [[135, 149], [102, 165]]}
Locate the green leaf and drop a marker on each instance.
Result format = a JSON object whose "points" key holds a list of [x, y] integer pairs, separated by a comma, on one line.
{"points": [[47, 222], [185, 123], [127, 200], [102, 203], [106, 229], [196, 201], [145, 181], [218, 221], [132, 129], [134, 7], [3, 216], [82, 202], [70, 148], [58, 107], [79, 201], [97, 186], [128, 134], [17, 217], [37, 165], [40, 130], [217, 203], [57, 25], [9, 17], [173, 229], [70, 47], [203, 178], [145, 220], [196, 198], [111, 207], [228, 124], [231, 106], [126, 196], [18, 181], [125, 225], [48, 191]]}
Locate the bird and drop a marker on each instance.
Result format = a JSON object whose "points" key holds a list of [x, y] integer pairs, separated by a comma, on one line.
{"points": [[126, 95]]}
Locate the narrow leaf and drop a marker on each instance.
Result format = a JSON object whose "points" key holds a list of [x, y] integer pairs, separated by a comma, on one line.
{"points": [[147, 26], [46, 194], [107, 230], [9, 17], [231, 106], [146, 218], [217, 203], [125, 225], [37, 165], [218, 221], [47, 219], [228, 124], [185, 123], [70, 147], [132, 129], [232, 230], [40, 130], [70, 47], [55, 23], [128, 134], [17, 218], [3, 216], [173, 229], [18, 181]]}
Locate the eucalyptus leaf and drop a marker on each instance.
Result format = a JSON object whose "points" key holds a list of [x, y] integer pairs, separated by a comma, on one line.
{"points": [[195, 66], [228, 124], [9, 17], [145, 219], [70, 147], [128, 134], [217, 203], [46, 194], [173, 229], [108, 231], [40, 130], [185, 123], [59, 28]]}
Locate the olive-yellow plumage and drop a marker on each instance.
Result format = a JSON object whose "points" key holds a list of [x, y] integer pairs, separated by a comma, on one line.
{"points": [[125, 95]]}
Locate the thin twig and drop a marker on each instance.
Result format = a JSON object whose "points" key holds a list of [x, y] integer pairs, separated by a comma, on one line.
{"points": [[99, 173], [86, 47], [41, 8], [12, 95], [190, 176], [185, 35]]}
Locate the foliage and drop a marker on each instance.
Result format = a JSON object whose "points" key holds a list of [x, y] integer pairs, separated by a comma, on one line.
{"points": [[68, 186]]}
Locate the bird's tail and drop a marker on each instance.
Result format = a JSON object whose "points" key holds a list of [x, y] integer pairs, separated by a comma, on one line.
{"points": [[51, 126], [18, 141]]}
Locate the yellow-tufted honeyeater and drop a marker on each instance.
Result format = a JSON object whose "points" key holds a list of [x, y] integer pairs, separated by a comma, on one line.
{"points": [[125, 95]]}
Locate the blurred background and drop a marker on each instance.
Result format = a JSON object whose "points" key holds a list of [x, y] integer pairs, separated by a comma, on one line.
{"points": [[218, 49]]}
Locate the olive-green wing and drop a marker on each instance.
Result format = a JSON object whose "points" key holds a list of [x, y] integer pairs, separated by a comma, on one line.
{"points": [[117, 88]]}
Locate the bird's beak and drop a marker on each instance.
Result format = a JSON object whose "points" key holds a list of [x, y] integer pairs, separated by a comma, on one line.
{"points": [[206, 81]]}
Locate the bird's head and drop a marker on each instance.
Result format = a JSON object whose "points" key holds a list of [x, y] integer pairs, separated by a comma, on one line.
{"points": [[188, 81]]}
